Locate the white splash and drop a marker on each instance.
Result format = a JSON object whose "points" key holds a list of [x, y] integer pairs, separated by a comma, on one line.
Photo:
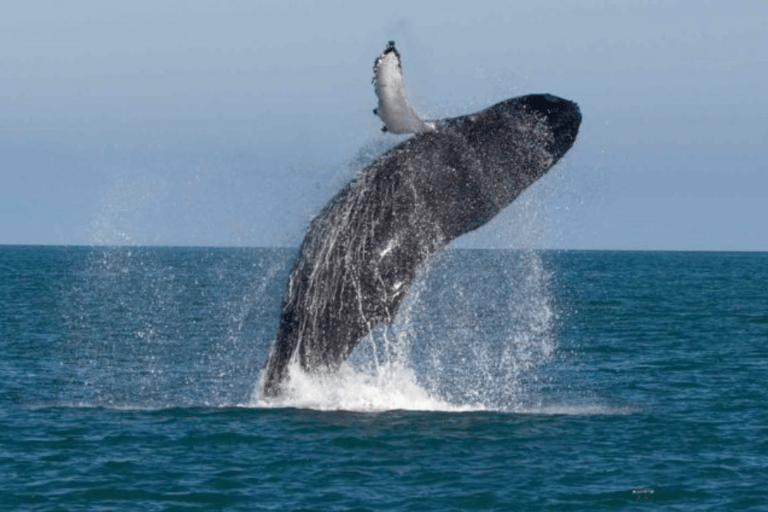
{"points": [[392, 387]]}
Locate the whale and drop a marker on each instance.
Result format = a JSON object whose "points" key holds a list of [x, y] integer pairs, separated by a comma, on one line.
{"points": [[362, 252]]}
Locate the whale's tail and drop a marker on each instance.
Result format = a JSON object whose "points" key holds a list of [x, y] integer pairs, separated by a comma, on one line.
{"points": [[393, 108]]}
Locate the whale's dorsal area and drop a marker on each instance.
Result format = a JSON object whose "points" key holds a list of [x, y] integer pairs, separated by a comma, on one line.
{"points": [[362, 251], [393, 108]]}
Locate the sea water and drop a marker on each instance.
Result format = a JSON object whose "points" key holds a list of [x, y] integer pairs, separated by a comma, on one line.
{"points": [[511, 380]]}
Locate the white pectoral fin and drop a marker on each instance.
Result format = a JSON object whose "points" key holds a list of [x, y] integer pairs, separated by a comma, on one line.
{"points": [[393, 107]]}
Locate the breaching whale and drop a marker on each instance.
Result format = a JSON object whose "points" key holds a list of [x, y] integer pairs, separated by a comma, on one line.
{"points": [[361, 253]]}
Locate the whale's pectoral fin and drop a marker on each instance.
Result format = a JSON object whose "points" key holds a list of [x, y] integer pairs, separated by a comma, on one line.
{"points": [[393, 109]]}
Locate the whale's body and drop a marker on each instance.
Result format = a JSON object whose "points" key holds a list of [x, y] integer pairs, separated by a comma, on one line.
{"points": [[362, 252]]}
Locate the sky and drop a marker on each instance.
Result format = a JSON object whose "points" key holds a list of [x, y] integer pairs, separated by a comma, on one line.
{"points": [[232, 123]]}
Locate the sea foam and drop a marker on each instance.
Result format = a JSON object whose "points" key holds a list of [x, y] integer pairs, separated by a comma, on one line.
{"points": [[393, 387]]}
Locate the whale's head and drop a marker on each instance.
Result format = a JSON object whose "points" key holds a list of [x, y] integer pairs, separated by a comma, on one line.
{"points": [[531, 132], [498, 152], [561, 116], [520, 139]]}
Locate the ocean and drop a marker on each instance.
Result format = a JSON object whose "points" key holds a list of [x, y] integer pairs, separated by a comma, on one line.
{"points": [[511, 380]]}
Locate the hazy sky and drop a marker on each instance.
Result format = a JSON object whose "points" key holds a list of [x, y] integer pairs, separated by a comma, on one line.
{"points": [[232, 123]]}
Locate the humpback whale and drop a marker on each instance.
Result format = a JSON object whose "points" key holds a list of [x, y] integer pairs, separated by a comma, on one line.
{"points": [[362, 251]]}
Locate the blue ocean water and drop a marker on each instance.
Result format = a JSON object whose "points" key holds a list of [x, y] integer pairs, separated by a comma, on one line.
{"points": [[513, 380]]}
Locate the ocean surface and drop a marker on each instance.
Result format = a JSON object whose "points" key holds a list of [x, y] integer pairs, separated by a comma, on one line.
{"points": [[512, 380]]}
